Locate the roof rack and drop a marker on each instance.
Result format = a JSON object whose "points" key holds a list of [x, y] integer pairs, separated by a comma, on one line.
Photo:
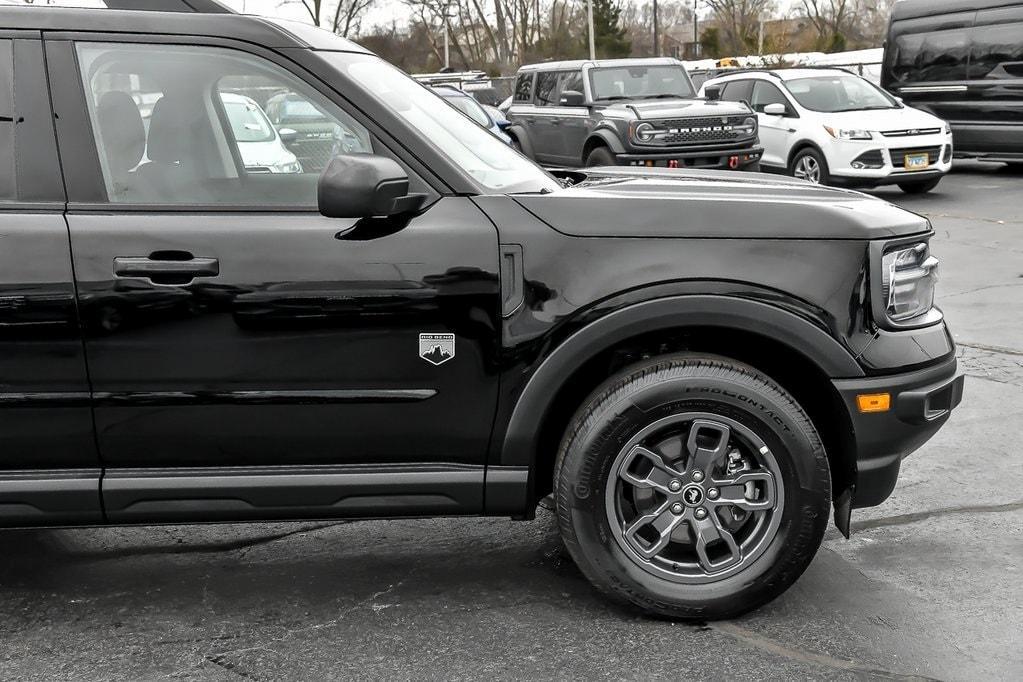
{"points": [[200, 6], [774, 71]]}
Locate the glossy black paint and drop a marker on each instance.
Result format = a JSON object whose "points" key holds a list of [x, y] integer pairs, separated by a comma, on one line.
{"points": [[281, 378]]}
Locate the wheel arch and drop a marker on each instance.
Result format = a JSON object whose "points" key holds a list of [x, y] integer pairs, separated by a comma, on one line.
{"points": [[601, 137], [800, 146], [793, 351], [519, 133]]}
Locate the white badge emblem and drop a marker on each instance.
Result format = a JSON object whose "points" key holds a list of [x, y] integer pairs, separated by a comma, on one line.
{"points": [[436, 348]]}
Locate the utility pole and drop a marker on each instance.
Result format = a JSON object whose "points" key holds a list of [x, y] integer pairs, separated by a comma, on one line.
{"points": [[447, 55], [696, 29], [589, 19], [657, 41]]}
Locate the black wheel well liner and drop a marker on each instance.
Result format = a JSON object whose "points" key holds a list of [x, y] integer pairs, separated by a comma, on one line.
{"points": [[791, 350]]}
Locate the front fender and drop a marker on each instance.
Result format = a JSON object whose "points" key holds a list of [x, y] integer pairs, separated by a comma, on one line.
{"points": [[521, 438], [520, 134], [607, 137]]}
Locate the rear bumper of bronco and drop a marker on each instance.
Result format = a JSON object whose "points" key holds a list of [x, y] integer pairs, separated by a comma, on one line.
{"points": [[920, 402], [734, 158]]}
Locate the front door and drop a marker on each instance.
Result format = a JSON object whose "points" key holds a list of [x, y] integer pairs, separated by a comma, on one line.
{"points": [[234, 334], [775, 131]]}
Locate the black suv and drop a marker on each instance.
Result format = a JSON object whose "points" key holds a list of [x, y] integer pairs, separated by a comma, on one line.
{"points": [[698, 365], [629, 112]]}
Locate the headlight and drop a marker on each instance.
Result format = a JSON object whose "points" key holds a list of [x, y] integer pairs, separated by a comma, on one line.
{"points": [[908, 275], [644, 132], [288, 167], [849, 134]]}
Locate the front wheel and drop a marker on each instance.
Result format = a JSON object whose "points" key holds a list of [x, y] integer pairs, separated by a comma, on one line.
{"points": [[692, 487], [810, 165], [919, 187], [601, 156]]}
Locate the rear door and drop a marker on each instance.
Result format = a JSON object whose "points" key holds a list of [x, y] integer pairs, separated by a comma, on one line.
{"points": [[250, 357], [49, 470]]}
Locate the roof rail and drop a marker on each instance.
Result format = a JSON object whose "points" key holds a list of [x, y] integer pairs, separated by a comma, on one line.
{"points": [[201, 6]]}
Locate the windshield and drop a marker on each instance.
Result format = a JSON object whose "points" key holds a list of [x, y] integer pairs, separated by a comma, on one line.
{"points": [[469, 107], [490, 162], [639, 82], [839, 93], [248, 122]]}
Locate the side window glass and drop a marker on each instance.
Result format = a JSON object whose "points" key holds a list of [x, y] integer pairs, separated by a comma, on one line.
{"points": [[8, 181], [765, 93], [572, 80], [189, 126], [524, 87], [737, 91], [546, 85], [996, 50], [932, 49]]}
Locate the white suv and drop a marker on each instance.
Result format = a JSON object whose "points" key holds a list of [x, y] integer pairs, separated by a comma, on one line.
{"points": [[832, 127]]}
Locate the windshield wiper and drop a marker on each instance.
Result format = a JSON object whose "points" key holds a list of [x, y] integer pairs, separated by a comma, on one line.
{"points": [[862, 109], [664, 96], [610, 98]]}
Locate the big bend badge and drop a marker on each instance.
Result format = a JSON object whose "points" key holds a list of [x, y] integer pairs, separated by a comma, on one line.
{"points": [[436, 348]]}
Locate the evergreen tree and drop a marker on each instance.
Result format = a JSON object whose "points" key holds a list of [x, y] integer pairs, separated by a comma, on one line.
{"points": [[608, 35]]}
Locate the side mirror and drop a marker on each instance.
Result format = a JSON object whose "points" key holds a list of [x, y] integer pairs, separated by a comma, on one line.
{"points": [[572, 98], [712, 92], [776, 109], [288, 135], [365, 186]]}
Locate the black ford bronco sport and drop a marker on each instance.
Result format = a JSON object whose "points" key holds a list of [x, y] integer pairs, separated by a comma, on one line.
{"points": [[698, 365], [629, 112]]}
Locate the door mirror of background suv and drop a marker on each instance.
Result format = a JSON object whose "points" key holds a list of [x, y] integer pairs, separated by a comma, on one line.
{"points": [[365, 186], [712, 92], [572, 98], [776, 109]]}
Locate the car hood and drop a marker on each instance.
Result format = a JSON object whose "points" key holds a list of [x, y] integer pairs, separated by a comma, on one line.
{"points": [[269, 153], [884, 119], [677, 108], [657, 203]]}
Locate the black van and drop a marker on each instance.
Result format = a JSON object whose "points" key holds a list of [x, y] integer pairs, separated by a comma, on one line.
{"points": [[962, 60]]}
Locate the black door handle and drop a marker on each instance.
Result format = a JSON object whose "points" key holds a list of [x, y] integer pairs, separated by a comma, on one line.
{"points": [[179, 269]]}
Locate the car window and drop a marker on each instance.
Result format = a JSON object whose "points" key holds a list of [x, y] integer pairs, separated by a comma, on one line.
{"points": [[765, 93], [996, 44], [570, 80], [524, 87], [546, 88], [637, 82], [831, 93], [931, 48], [8, 182], [470, 107], [737, 91], [188, 126]]}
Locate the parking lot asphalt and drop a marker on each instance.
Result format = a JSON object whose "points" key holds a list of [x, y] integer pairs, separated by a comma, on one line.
{"points": [[929, 586]]}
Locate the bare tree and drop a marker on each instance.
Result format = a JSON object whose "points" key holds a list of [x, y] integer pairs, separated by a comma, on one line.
{"points": [[738, 22], [343, 17]]}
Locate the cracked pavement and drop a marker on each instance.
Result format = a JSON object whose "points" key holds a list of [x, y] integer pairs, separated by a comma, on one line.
{"points": [[929, 586]]}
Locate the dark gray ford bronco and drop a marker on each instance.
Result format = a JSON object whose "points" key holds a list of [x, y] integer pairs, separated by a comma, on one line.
{"points": [[629, 112], [698, 365]]}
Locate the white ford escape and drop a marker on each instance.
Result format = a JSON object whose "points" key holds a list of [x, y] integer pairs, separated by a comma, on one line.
{"points": [[832, 127]]}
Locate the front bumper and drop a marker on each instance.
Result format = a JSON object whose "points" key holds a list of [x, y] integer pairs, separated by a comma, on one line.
{"points": [[694, 158], [921, 402], [842, 154]]}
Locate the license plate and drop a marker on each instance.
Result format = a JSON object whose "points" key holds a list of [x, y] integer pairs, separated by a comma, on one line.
{"points": [[915, 162]]}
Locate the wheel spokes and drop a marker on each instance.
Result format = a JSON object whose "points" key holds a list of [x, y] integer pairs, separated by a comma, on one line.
{"points": [[657, 476], [733, 491], [710, 533], [651, 533], [708, 443]]}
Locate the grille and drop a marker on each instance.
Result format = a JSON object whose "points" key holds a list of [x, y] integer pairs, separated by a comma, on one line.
{"points": [[898, 155], [706, 129], [911, 132], [314, 155]]}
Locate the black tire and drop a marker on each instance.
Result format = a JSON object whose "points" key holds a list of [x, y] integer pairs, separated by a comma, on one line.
{"points": [[659, 390], [824, 176], [919, 187], [752, 168], [600, 156]]}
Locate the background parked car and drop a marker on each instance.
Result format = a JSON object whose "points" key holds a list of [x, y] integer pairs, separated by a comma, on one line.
{"points": [[311, 135], [259, 143], [962, 61], [487, 117], [830, 126]]}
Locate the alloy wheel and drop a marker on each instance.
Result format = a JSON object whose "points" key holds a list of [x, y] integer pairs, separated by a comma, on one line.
{"points": [[807, 168], [694, 498]]}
